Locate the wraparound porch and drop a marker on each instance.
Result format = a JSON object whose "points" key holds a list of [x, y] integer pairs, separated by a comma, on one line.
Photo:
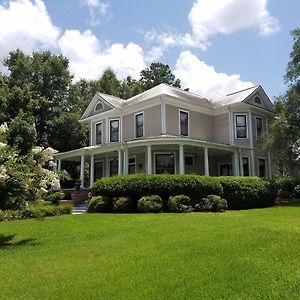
{"points": [[159, 155]]}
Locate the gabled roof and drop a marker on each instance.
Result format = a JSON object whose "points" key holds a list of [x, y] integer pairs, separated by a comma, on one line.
{"points": [[241, 96]]}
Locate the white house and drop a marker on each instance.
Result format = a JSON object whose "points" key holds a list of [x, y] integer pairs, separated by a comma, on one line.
{"points": [[168, 130]]}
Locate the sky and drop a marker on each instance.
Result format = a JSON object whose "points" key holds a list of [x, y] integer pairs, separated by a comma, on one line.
{"points": [[214, 46]]}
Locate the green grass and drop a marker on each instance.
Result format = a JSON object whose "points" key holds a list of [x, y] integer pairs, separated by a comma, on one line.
{"points": [[252, 254]]}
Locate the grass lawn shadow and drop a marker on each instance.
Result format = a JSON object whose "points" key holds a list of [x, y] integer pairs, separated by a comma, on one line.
{"points": [[8, 241]]}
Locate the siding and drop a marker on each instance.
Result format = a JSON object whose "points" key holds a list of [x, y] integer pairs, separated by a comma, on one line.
{"points": [[221, 129]]}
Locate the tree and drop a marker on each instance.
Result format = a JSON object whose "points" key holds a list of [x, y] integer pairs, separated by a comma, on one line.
{"points": [[156, 74], [283, 138]]}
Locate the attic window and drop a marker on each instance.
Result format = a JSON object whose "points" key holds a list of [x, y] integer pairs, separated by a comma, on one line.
{"points": [[98, 106], [257, 100]]}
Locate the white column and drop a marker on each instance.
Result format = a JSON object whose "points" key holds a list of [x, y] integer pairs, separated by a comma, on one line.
{"points": [[241, 163], [206, 162], [236, 163], [253, 173], [120, 162], [269, 165], [163, 116], [149, 159], [107, 167], [82, 170], [59, 165], [125, 162], [181, 159], [92, 168]]}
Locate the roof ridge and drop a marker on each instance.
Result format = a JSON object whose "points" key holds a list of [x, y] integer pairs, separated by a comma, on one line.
{"points": [[251, 87], [116, 97]]}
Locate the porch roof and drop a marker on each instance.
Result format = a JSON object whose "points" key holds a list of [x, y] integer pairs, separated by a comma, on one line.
{"points": [[153, 140]]}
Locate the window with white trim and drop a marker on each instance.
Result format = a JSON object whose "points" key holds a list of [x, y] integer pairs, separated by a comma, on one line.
{"points": [[259, 126], [139, 125], [241, 126], [114, 131], [98, 132], [184, 122]]}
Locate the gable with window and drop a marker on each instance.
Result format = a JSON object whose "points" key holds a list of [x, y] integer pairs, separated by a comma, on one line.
{"points": [[241, 126], [184, 123]]}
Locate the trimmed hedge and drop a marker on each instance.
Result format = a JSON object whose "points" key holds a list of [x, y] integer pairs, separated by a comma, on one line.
{"points": [[139, 185], [212, 203], [239, 192], [123, 204], [248, 192], [36, 210], [150, 204], [180, 203], [100, 204]]}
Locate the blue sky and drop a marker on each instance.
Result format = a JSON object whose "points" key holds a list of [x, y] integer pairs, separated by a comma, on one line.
{"points": [[213, 46]]}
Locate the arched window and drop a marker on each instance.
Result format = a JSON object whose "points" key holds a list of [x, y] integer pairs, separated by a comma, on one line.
{"points": [[257, 100], [98, 106]]}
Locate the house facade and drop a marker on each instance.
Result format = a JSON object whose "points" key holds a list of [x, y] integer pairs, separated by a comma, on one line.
{"points": [[168, 130]]}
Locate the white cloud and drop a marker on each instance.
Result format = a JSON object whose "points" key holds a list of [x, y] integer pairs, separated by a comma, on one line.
{"points": [[208, 18], [26, 25], [98, 9], [203, 79], [90, 58]]}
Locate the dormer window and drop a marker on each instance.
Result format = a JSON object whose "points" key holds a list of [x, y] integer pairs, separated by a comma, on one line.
{"points": [[98, 106], [257, 100]]}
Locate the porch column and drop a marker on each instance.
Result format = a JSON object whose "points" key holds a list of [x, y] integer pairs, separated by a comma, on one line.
{"points": [[82, 170], [92, 168], [149, 160], [241, 162], [125, 162], [236, 163], [59, 165], [181, 159], [206, 162], [120, 162]]}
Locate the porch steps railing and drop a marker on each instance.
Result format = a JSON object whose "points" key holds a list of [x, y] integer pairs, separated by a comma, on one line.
{"points": [[79, 208]]}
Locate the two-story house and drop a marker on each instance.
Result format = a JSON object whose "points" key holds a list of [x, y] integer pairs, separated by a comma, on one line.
{"points": [[168, 130]]}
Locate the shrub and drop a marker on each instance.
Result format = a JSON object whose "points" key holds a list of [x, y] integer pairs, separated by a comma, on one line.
{"points": [[36, 210], [54, 197], [297, 191], [180, 203], [151, 203], [164, 185], [123, 204], [286, 185], [248, 192], [99, 204], [212, 203]]}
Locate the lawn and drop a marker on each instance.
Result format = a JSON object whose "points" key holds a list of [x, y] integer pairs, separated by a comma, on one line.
{"points": [[252, 254]]}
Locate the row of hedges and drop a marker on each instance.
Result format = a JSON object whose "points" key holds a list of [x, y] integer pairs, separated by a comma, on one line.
{"points": [[154, 204], [37, 210], [240, 192]]}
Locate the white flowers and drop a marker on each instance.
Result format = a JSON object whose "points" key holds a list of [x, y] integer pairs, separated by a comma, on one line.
{"points": [[2, 145], [3, 174], [3, 128], [296, 149]]}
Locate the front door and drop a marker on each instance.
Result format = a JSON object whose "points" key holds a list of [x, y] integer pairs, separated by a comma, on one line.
{"points": [[164, 163], [225, 170], [98, 170]]}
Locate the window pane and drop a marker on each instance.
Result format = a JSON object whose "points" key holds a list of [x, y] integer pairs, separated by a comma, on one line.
{"points": [[114, 131], [259, 126], [139, 121], [241, 132], [184, 123], [240, 120], [99, 134]]}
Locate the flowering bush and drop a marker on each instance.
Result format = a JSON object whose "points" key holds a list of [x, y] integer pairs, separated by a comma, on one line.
{"points": [[24, 177]]}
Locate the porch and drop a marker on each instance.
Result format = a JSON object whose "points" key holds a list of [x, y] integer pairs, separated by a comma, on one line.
{"points": [[157, 156]]}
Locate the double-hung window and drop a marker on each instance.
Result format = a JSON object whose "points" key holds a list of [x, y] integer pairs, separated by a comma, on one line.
{"points": [[98, 133], [114, 131], [184, 123], [139, 125], [259, 127], [241, 126]]}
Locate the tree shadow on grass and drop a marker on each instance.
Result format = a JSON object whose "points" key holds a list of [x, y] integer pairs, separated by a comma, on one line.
{"points": [[8, 241]]}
